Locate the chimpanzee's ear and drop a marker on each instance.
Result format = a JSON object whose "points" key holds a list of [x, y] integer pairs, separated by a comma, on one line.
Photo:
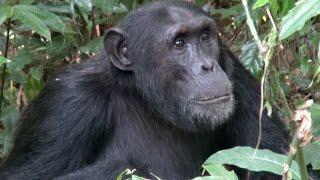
{"points": [[115, 45]]}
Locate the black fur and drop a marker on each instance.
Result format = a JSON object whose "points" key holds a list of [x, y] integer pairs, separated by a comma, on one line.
{"points": [[93, 121]]}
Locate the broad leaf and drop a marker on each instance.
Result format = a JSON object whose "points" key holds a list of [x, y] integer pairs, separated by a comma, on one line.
{"points": [[235, 10], [93, 46], [4, 11], [102, 4], [254, 160], [36, 72], [249, 58], [23, 58], [260, 3], [297, 17], [219, 170], [52, 20], [286, 5], [84, 4], [56, 7], [26, 1], [27, 17], [274, 6], [10, 116], [311, 154]]}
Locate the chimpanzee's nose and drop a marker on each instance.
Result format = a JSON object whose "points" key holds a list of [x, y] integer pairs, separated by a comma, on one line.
{"points": [[207, 66]]}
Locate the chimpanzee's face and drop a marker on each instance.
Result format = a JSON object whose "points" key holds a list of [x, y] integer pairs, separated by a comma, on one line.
{"points": [[179, 68]]}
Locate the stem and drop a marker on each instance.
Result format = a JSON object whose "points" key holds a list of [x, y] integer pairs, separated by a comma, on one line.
{"points": [[301, 163], [292, 152], [5, 64], [251, 26], [266, 54]]}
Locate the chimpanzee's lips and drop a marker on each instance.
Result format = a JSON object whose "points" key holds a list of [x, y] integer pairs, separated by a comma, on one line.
{"points": [[212, 99]]}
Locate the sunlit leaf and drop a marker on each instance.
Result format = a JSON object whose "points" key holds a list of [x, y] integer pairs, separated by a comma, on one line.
{"points": [[4, 60], [84, 4], [297, 17], [274, 6], [216, 171], [253, 160], [260, 3]]}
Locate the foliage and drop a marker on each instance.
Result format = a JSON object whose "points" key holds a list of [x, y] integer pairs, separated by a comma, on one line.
{"points": [[45, 35]]}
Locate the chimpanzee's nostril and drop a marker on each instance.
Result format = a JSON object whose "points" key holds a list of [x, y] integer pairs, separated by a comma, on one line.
{"points": [[207, 66]]}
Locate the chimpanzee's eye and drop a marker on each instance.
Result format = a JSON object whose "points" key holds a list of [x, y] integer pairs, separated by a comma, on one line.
{"points": [[205, 36], [179, 42]]}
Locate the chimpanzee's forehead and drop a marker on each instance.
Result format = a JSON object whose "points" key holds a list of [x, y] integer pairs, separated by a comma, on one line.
{"points": [[174, 14]]}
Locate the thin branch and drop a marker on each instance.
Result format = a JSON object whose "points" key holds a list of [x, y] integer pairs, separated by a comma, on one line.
{"points": [[252, 27], [271, 18]]}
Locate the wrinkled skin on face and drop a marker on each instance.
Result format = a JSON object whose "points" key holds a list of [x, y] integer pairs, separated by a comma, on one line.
{"points": [[186, 73]]}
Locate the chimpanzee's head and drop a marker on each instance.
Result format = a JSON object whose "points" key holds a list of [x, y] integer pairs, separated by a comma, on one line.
{"points": [[173, 52]]}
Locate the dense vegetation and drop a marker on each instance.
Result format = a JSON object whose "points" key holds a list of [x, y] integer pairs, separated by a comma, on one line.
{"points": [[278, 41]]}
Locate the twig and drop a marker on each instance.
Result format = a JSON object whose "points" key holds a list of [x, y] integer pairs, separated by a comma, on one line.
{"points": [[252, 27], [266, 53]]}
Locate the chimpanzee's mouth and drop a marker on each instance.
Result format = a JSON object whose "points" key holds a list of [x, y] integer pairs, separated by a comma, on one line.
{"points": [[212, 99]]}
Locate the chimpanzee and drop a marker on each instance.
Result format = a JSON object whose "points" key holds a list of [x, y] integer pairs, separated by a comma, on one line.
{"points": [[163, 96]]}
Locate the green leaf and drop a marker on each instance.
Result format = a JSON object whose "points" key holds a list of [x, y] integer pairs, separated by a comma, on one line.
{"points": [[235, 10], [26, 1], [315, 115], [102, 4], [4, 11], [56, 7], [311, 155], [10, 116], [120, 9], [84, 4], [304, 65], [4, 60], [254, 160], [127, 173], [249, 58], [26, 15], [260, 3], [23, 58], [219, 170], [32, 87], [274, 6], [93, 46], [297, 17], [286, 5], [36, 72], [52, 20]]}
